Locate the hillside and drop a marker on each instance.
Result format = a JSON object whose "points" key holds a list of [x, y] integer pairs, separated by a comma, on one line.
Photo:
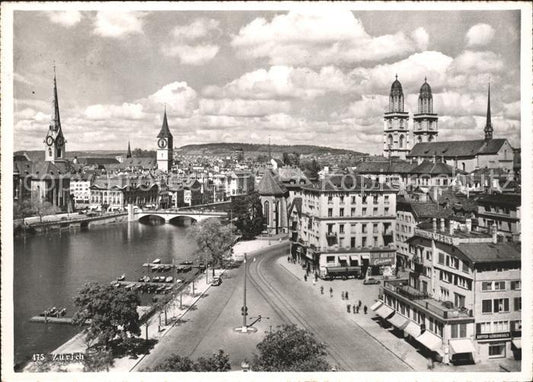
{"points": [[277, 150]]}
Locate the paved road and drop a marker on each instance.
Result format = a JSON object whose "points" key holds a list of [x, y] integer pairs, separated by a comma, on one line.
{"points": [[275, 293]]}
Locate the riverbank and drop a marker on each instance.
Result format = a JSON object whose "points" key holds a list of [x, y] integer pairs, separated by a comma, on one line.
{"points": [[156, 325]]}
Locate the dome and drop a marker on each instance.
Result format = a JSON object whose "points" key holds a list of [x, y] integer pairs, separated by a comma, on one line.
{"points": [[425, 90], [396, 88]]}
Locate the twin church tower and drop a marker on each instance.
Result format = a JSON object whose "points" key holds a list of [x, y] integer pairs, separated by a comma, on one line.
{"points": [[396, 134]]}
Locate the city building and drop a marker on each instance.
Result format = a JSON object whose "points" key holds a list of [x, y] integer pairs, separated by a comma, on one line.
{"points": [[346, 221], [273, 197], [469, 155], [80, 189], [503, 211], [462, 299], [425, 122], [396, 130], [239, 183], [115, 192], [165, 146]]}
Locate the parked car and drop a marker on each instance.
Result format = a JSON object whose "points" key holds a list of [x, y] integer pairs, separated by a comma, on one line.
{"points": [[217, 281], [371, 280]]}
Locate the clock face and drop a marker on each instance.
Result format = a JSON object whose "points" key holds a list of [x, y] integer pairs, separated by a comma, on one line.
{"points": [[49, 141], [162, 143], [60, 141]]}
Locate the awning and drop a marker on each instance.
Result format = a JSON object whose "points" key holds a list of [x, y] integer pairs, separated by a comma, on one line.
{"points": [[462, 346], [517, 343], [376, 305], [429, 340], [413, 329], [342, 258], [398, 320], [354, 257], [367, 257], [384, 311]]}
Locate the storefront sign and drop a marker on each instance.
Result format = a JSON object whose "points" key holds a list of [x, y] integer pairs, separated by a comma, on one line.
{"points": [[493, 336], [434, 236]]}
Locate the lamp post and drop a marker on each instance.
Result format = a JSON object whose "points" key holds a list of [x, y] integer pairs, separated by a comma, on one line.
{"points": [[244, 310]]}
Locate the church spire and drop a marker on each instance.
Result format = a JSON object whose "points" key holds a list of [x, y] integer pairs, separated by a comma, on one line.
{"points": [[164, 132], [128, 154], [55, 124], [488, 125]]}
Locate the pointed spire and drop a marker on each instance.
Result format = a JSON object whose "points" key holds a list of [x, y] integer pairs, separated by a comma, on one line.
{"points": [[55, 124], [396, 75], [488, 124], [164, 132], [128, 154]]}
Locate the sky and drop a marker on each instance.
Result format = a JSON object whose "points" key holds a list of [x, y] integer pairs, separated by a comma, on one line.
{"points": [[299, 77]]}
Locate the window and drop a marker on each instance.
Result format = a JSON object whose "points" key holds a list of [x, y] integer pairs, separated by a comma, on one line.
{"points": [[353, 199], [330, 259], [501, 305], [375, 211], [500, 326], [341, 199], [352, 211], [352, 242], [516, 285], [330, 212], [341, 228], [364, 241], [459, 300], [364, 211], [483, 327], [444, 294], [516, 325], [497, 350], [330, 199], [386, 199], [458, 330], [441, 258], [517, 304], [364, 228], [330, 228], [341, 212], [386, 210], [486, 306]]}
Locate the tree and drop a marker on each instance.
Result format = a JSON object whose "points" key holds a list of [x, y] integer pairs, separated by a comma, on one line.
{"points": [[290, 349], [248, 215], [218, 361], [97, 360], [110, 313], [214, 240], [312, 168]]}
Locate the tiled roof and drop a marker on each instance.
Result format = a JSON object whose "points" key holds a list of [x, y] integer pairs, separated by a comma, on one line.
{"points": [[288, 174], [348, 182], [268, 186], [452, 149], [97, 161], [507, 200], [384, 167], [428, 167], [489, 252]]}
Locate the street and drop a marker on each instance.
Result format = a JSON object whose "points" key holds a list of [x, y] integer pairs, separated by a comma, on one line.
{"points": [[276, 295]]}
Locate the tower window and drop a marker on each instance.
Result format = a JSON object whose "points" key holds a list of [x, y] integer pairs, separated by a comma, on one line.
{"points": [[49, 151], [401, 140], [390, 140]]}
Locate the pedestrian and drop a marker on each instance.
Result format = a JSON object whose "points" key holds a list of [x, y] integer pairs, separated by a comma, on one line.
{"points": [[346, 295], [357, 309], [348, 306], [365, 309], [359, 303], [316, 276], [342, 295], [305, 277], [330, 292], [353, 309], [321, 289]]}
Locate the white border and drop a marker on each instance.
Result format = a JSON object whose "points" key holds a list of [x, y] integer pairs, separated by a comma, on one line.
{"points": [[7, 197]]}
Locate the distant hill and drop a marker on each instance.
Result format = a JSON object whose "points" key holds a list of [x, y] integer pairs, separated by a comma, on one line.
{"points": [[227, 148]]}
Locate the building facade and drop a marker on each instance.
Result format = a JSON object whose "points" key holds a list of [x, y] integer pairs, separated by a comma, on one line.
{"points": [[396, 128], [425, 122]]}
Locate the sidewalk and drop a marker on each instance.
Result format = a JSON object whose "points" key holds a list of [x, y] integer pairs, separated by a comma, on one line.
{"points": [[174, 314], [368, 295]]}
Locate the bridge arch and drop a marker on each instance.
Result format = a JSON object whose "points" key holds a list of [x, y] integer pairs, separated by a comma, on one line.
{"points": [[152, 219], [183, 220]]}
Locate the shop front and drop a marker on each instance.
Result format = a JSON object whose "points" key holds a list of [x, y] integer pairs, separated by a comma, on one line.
{"points": [[494, 345], [382, 263]]}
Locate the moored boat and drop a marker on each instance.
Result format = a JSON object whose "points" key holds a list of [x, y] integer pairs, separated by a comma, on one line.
{"points": [[157, 261], [169, 279]]}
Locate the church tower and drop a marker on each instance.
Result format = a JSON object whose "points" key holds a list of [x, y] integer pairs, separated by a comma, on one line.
{"points": [[396, 131], [488, 125], [425, 127], [165, 144], [54, 141]]}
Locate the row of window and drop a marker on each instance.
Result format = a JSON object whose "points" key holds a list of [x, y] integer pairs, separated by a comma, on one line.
{"points": [[417, 316], [490, 286], [454, 279], [499, 326], [453, 262], [353, 212], [500, 305], [367, 199]]}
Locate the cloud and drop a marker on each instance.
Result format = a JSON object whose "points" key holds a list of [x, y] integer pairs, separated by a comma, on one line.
{"points": [[65, 18], [327, 37], [475, 62], [242, 107], [421, 38], [105, 112], [284, 82], [192, 55], [179, 98], [118, 24], [192, 43], [479, 35]]}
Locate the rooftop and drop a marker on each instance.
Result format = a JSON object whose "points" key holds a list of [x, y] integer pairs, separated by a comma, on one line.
{"points": [[490, 252], [452, 149]]}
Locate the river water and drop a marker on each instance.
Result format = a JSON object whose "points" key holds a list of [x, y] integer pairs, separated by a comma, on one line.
{"points": [[50, 269]]}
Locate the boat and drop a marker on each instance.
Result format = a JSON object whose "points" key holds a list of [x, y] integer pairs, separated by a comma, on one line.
{"points": [[186, 262], [122, 277], [168, 267], [179, 281], [157, 261], [169, 279], [146, 265], [160, 289], [62, 312]]}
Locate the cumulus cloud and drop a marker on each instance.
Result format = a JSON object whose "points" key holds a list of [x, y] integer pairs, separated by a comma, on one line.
{"points": [[475, 62], [65, 18], [333, 36], [192, 43], [242, 107], [479, 35], [105, 112], [118, 24], [284, 82], [180, 99], [421, 38]]}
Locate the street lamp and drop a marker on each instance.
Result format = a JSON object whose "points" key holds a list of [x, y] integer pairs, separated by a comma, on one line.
{"points": [[244, 310]]}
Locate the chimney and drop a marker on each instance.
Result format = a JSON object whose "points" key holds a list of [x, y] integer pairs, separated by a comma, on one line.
{"points": [[468, 224], [434, 225], [494, 232], [451, 227], [442, 224]]}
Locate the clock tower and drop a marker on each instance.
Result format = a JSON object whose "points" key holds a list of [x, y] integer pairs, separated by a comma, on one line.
{"points": [[54, 142], [165, 145]]}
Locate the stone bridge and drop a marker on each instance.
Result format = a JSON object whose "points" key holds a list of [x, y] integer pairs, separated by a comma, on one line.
{"points": [[174, 215]]}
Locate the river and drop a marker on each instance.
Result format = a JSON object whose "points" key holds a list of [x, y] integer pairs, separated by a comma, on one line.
{"points": [[50, 269]]}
